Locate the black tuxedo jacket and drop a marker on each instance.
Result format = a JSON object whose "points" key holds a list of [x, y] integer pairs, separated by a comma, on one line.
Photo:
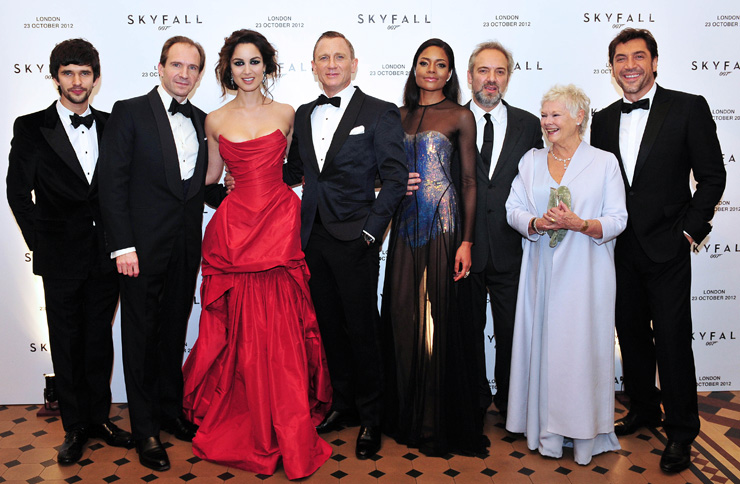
{"points": [[344, 191], [142, 197], [63, 227], [494, 237], [680, 137]]}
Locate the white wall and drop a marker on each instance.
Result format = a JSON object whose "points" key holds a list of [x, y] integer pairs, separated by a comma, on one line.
{"points": [[552, 43]]}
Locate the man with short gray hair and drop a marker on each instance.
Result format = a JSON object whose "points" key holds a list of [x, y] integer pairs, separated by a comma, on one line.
{"points": [[505, 133]]}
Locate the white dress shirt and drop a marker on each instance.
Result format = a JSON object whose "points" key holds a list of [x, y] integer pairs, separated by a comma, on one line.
{"points": [[84, 141], [499, 119], [631, 129], [324, 122], [186, 139]]}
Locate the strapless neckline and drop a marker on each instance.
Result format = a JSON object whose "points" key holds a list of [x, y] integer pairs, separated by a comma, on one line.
{"points": [[221, 137]]}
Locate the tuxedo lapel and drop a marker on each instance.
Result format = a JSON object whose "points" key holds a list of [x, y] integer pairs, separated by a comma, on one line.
{"points": [[613, 115], [166, 142], [99, 122], [345, 126], [511, 138], [99, 126], [658, 112], [307, 138], [201, 162], [54, 133]]}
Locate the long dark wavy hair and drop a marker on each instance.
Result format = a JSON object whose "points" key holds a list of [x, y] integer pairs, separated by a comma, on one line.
{"points": [[452, 87], [267, 51]]}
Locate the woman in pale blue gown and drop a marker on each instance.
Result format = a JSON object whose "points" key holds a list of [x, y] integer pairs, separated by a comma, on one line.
{"points": [[562, 371]]}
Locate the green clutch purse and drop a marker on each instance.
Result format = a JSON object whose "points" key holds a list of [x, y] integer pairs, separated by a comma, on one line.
{"points": [[557, 195]]}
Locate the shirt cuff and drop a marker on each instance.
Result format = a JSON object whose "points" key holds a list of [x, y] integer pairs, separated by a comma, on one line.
{"points": [[127, 250], [694, 245]]}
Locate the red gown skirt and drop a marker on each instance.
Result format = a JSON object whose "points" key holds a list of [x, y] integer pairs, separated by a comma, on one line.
{"points": [[256, 380]]}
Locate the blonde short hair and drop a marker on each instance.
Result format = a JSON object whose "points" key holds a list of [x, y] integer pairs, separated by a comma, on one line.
{"points": [[574, 100]]}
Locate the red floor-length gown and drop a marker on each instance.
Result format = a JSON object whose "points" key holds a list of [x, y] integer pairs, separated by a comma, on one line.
{"points": [[256, 380]]}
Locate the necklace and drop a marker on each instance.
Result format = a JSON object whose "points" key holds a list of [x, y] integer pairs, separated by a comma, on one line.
{"points": [[564, 161]]}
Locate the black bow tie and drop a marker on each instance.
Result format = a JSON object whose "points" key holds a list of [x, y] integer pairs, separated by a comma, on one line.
{"points": [[641, 104], [184, 109], [77, 120], [334, 101]]}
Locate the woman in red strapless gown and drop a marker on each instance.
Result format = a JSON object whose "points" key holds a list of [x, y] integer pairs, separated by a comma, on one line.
{"points": [[256, 380]]}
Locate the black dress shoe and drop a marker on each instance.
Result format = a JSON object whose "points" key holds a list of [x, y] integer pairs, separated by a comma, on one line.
{"points": [[74, 444], [181, 428], [676, 457], [152, 454], [111, 434], [633, 422], [368, 442], [336, 420]]}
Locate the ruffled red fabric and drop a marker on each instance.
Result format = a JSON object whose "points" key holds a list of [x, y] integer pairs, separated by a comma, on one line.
{"points": [[256, 380]]}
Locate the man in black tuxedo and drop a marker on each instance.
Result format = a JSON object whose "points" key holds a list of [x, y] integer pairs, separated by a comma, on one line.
{"points": [[659, 137], [505, 133], [54, 153], [341, 142], [152, 174]]}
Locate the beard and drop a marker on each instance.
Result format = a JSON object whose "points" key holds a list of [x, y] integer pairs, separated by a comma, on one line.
{"points": [[486, 100], [634, 88], [77, 98]]}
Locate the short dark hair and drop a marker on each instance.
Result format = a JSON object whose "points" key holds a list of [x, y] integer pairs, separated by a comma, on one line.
{"points": [[631, 34], [452, 87], [245, 36], [181, 39], [79, 52], [331, 34]]}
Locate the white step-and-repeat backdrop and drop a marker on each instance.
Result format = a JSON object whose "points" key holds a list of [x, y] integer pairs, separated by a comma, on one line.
{"points": [[552, 43]]}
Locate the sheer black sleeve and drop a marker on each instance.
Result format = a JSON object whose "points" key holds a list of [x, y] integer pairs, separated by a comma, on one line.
{"points": [[468, 187]]}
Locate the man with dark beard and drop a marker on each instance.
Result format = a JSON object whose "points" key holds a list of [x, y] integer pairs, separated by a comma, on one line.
{"points": [[505, 133], [661, 138], [54, 154]]}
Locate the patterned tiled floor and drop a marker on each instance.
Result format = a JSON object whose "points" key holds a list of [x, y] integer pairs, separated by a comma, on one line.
{"points": [[27, 454]]}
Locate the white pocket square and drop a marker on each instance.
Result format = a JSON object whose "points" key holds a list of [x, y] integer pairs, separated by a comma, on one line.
{"points": [[357, 130]]}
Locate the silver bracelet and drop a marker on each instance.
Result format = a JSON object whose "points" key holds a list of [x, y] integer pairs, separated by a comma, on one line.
{"points": [[534, 227]]}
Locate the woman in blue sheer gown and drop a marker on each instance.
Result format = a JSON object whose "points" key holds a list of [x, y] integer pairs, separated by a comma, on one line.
{"points": [[431, 388]]}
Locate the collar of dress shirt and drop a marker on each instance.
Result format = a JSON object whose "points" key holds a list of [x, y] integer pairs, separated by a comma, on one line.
{"points": [[64, 113], [166, 98], [648, 95], [345, 95], [498, 113]]}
